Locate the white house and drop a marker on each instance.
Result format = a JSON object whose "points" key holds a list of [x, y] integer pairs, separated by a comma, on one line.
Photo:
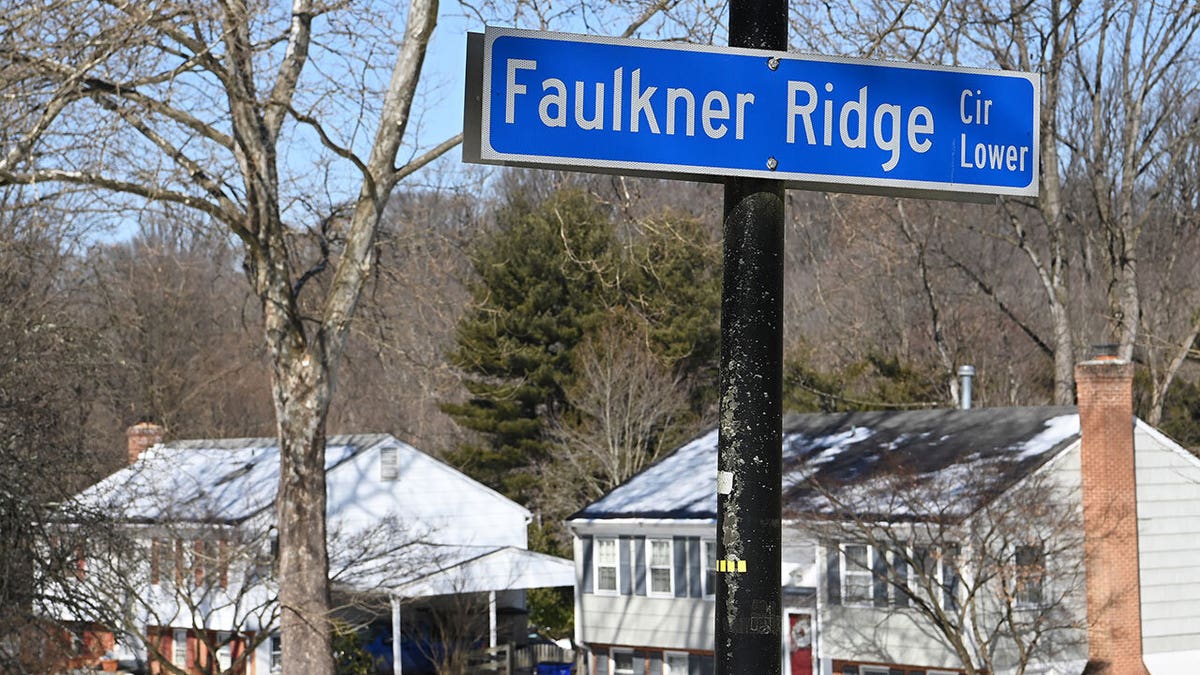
{"points": [[197, 583], [1113, 588]]}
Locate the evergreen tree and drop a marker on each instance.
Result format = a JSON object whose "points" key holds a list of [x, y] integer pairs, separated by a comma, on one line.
{"points": [[553, 270], [540, 284]]}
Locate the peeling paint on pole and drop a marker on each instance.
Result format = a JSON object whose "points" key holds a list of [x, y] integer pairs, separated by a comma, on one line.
{"points": [[748, 621]]}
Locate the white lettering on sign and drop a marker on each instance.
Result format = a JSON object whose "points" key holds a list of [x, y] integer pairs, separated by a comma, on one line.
{"points": [[675, 105], [983, 108], [889, 126], [815, 116], [511, 88], [994, 156]]}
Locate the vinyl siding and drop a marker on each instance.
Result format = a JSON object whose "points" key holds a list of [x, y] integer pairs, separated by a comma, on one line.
{"points": [[1169, 543], [868, 634], [662, 623]]}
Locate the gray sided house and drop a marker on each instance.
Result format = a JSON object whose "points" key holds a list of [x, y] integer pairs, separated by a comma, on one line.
{"points": [[916, 542]]}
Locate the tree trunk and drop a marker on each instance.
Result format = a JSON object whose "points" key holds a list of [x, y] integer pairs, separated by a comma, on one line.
{"points": [[303, 558]]}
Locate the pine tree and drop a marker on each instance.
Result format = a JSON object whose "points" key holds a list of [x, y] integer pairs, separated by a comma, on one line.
{"points": [[540, 284], [552, 271]]}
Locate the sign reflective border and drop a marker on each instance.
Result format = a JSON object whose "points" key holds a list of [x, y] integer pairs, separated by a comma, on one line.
{"points": [[670, 110]]}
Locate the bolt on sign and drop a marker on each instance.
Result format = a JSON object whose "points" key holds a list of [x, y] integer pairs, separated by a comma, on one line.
{"points": [[671, 110]]}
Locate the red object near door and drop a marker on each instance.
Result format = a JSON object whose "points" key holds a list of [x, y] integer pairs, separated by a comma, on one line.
{"points": [[800, 644]]}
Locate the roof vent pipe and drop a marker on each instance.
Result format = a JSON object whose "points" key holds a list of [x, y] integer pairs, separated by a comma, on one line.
{"points": [[966, 373]]}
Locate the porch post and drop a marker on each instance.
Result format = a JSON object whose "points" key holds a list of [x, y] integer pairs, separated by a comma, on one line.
{"points": [[492, 619], [397, 665]]}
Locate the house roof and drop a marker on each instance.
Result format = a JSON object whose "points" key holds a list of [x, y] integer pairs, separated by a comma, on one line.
{"points": [[206, 480], [429, 570], [229, 480], [854, 461], [431, 531]]}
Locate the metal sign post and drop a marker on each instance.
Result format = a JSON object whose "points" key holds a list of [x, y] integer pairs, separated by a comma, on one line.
{"points": [[749, 474]]}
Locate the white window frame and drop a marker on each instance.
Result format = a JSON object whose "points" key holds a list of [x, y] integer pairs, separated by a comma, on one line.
{"points": [[669, 655], [179, 639], [276, 658], [612, 662], [939, 573], [616, 566], [847, 569], [670, 567], [224, 650], [708, 568]]}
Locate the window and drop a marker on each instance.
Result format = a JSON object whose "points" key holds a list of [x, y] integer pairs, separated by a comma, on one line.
{"points": [[926, 572], [224, 651], [676, 663], [276, 654], [710, 568], [606, 565], [660, 563], [934, 577], [873, 670], [1030, 562], [622, 663], [857, 578], [389, 464], [179, 648]]}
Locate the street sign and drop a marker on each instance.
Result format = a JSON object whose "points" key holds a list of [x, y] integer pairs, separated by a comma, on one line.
{"points": [[610, 105]]}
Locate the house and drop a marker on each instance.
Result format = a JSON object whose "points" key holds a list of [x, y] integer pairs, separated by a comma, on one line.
{"points": [[179, 556], [1053, 539]]}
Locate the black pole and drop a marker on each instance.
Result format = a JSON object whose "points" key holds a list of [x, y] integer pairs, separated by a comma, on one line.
{"points": [[748, 621]]}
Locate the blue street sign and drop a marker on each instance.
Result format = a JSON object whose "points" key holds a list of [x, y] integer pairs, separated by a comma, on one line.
{"points": [[675, 110]]}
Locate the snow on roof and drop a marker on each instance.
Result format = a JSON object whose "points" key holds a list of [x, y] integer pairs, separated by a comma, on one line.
{"points": [[211, 480], [683, 485], [428, 570], [843, 461]]}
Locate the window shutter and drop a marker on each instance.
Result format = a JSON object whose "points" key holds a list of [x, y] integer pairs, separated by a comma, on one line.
{"points": [[626, 582], [900, 567], [833, 574], [639, 662], [155, 560], [701, 664], [879, 570], [585, 578], [639, 565], [680, 551], [695, 584], [950, 577], [895, 671], [602, 663], [654, 663]]}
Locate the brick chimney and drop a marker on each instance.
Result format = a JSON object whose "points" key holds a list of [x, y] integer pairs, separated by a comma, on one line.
{"points": [[1105, 392], [141, 436]]}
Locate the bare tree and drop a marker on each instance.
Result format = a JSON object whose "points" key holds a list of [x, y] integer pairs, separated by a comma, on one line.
{"points": [[999, 587], [145, 127], [50, 360], [194, 592], [626, 403], [256, 117]]}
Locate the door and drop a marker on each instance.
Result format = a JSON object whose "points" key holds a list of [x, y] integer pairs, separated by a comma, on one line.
{"points": [[800, 657]]}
